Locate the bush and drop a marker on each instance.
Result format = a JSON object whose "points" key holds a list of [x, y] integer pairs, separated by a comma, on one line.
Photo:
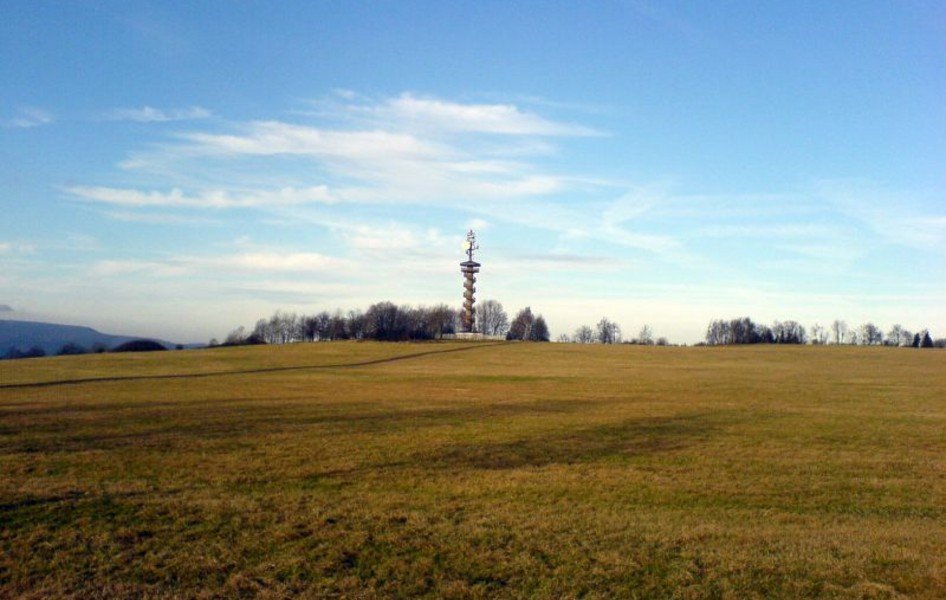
{"points": [[139, 346], [34, 352], [71, 349]]}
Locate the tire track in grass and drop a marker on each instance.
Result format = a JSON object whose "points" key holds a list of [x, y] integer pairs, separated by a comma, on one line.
{"points": [[366, 363]]}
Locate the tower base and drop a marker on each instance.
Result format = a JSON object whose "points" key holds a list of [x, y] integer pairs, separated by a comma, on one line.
{"points": [[472, 337]]}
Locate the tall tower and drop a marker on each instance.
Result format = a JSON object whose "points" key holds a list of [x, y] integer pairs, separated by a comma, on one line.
{"points": [[469, 268]]}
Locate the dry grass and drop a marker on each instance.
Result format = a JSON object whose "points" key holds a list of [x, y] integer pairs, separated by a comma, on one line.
{"points": [[512, 470]]}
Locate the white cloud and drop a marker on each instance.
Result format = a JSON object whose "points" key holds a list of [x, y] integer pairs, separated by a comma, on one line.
{"points": [[276, 137], [111, 268], [273, 261], [400, 150], [230, 264], [10, 248], [148, 114], [769, 230], [376, 166], [28, 117], [442, 115], [897, 217], [393, 236], [129, 216], [836, 254], [217, 199]]}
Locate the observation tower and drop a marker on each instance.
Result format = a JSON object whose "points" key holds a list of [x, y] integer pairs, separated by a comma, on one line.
{"points": [[469, 268]]}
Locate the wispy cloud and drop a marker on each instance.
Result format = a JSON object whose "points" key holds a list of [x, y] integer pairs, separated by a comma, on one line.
{"points": [[11, 248], [479, 158], [898, 217], [275, 137], [218, 199], [28, 117], [502, 119], [148, 114], [252, 261], [381, 166]]}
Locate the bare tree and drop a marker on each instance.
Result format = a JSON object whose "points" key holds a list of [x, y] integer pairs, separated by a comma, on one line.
{"points": [[645, 336], [563, 338], [853, 337], [871, 334], [906, 337], [521, 326], [894, 335], [491, 319], [788, 332], [235, 337], [818, 334], [584, 335], [356, 324], [607, 332], [442, 319], [840, 331]]}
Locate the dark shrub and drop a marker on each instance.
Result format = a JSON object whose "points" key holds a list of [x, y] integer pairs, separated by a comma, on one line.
{"points": [[139, 346], [71, 349]]}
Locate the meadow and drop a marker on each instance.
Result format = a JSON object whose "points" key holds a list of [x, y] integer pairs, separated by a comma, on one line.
{"points": [[455, 470]]}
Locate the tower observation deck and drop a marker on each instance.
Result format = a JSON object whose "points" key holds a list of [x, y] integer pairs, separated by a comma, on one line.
{"points": [[469, 268]]}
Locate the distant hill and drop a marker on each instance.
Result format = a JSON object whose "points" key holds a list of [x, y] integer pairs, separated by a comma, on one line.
{"points": [[51, 337]]}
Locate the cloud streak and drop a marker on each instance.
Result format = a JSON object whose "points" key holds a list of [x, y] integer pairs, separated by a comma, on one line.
{"points": [[27, 118], [214, 199], [262, 261], [148, 114], [499, 119]]}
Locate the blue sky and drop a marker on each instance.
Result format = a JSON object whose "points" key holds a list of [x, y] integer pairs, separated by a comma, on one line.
{"points": [[178, 169]]}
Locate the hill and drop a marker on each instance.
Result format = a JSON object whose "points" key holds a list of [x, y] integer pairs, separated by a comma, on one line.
{"points": [[475, 470], [51, 337]]}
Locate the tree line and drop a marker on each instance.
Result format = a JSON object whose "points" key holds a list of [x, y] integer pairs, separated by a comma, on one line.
{"points": [[74, 349], [609, 332], [744, 330], [387, 321]]}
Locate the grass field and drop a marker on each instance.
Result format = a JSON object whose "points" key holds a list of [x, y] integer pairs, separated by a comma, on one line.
{"points": [[476, 470]]}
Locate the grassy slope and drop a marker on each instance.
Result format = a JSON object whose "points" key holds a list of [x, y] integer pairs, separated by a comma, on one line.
{"points": [[551, 470]]}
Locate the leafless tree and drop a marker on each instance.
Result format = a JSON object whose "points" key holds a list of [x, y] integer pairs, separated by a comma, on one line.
{"points": [[788, 332], [235, 337], [356, 324], [645, 336], [441, 320], [906, 337], [853, 337], [521, 326], [839, 328], [491, 319], [871, 334], [584, 335], [608, 332], [893, 336], [563, 338], [818, 334]]}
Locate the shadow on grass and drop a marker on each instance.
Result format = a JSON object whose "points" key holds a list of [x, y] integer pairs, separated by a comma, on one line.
{"points": [[636, 437], [113, 427], [199, 375]]}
